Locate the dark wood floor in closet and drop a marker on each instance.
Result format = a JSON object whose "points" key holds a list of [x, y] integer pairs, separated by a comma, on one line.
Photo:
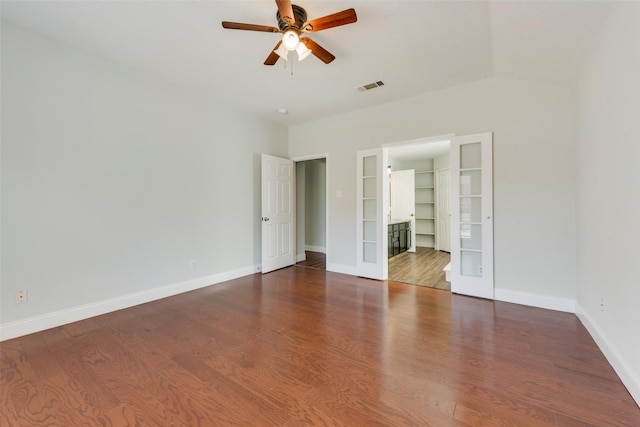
{"points": [[316, 260], [301, 346]]}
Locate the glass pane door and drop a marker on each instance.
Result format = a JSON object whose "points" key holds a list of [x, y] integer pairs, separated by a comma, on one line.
{"points": [[372, 242], [471, 215]]}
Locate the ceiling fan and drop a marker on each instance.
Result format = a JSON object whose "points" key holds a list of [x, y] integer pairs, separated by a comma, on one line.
{"points": [[292, 22]]}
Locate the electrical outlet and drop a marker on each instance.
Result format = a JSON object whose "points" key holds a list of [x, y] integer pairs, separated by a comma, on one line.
{"points": [[21, 297], [194, 264], [602, 305]]}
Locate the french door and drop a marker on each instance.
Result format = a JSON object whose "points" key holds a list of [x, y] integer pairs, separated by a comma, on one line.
{"points": [[472, 215], [372, 222], [278, 213]]}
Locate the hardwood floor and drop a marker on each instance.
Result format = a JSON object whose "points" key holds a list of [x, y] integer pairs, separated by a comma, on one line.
{"points": [[424, 268], [316, 260], [301, 346]]}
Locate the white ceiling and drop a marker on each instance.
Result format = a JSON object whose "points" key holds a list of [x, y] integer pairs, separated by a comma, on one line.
{"points": [[413, 46]]}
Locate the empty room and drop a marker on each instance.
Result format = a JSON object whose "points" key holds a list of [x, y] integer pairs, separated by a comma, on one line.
{"points": [[200, 214]]}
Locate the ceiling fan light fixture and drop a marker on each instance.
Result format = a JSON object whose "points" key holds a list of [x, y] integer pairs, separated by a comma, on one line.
{"points": [[282, 52], [303, 51], [290, 39]]}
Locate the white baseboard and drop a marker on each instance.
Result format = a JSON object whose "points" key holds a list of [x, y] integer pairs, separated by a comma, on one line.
{"points": [[301, 257], [535, 300], [629, 378], [312, 248], [62, 317], [344, 269]]}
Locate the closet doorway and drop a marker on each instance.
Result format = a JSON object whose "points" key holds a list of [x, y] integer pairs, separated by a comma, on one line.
{"points": [[311, 213], [423, 261]]}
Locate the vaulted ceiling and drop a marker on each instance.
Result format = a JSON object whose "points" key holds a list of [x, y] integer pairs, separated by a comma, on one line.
{"points": [[412, 46]]}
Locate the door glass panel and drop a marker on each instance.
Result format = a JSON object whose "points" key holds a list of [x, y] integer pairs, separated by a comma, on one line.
{"points": [[470, 183], [369, 209], [369, 166], [370, 231], [369, 252], [470, 156], [471, 236], [470, 209], [369, 187], [471, 263]]}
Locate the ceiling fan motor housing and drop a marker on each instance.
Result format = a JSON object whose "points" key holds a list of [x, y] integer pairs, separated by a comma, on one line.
{"points": [[299, 15]]}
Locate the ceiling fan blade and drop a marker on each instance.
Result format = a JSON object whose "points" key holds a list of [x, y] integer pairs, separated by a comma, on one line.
{"points": [[335, 20], [320, 52], [249, 27], [286, 11], [273, 56]]}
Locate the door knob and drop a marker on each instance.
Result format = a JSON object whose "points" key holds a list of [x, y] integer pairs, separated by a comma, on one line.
{"points": [[265, 218]]}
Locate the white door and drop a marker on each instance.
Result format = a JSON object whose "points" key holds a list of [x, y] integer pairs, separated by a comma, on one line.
{"points": [[372, 223], [403, 200], [472, 215], [278, 216], [443, 211]]}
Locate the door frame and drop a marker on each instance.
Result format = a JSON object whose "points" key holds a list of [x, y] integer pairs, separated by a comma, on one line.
{"points": [[326, 203], [419, 141]]}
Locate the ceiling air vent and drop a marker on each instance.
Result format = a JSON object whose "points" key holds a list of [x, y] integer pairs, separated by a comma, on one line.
{"points": [[370, 86]]}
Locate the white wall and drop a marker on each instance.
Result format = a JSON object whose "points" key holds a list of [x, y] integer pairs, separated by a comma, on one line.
{"points": [[112, 182], [534, 175], [608, 200]]}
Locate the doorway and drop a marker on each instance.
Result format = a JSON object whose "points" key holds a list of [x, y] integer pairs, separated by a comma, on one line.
{"points": [[428, 161], [311, 213]]}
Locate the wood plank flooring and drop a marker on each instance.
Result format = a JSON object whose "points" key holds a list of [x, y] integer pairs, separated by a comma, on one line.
{"points": [[301, 346], [316, 260], [424, 268]]}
